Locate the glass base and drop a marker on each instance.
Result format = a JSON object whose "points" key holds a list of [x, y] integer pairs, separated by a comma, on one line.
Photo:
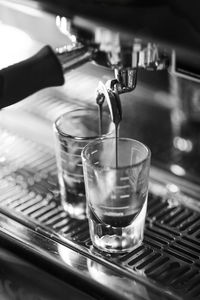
{"points": [[118, 239]]}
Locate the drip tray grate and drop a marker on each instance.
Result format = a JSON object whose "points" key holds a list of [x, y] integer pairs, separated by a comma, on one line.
{"points": [[170, 251]]}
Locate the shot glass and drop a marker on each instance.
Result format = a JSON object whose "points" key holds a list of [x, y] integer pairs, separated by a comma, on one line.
{"points": [[116, 192], [73, 130]]}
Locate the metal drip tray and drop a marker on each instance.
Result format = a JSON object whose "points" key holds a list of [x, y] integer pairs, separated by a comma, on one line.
{"points": [[167, 263]]}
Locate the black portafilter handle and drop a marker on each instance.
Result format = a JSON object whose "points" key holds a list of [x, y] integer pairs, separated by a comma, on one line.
{"points": [[23, 79]]}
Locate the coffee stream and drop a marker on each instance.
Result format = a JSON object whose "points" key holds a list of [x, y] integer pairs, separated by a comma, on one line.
{"points": [[100, 109], [116, 143], [114, 105]]}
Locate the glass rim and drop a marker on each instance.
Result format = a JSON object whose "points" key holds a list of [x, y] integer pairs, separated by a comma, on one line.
{"points": [[74, 137], [98, 140]]}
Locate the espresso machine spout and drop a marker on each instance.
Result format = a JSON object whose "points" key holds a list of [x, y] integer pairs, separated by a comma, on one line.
{"points": [[104, 47]]}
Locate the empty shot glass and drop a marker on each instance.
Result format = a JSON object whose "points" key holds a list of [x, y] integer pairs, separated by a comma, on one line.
{"points": [[116, 195], [73, 130]]}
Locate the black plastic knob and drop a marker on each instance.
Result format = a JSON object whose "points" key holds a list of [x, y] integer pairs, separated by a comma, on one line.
{"points": [[23, 79]]}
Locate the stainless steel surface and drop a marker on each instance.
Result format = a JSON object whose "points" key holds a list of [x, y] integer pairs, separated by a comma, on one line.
{"points": [[167, 261], [123, 52], [154, 19], [108, 48], [166, 265], [112, 49], [73, 57], [23, 280]]}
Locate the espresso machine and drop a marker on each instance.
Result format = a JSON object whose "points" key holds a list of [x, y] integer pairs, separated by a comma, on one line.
{"points": [[141, 59]]}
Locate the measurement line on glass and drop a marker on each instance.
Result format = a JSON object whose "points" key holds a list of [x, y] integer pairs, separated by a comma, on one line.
{"points": [[115, 208], [121, 196], [72, 148], [93, 152], [123, 186], [74, 174], [124, 178], [67, 164], [64, 154]]}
